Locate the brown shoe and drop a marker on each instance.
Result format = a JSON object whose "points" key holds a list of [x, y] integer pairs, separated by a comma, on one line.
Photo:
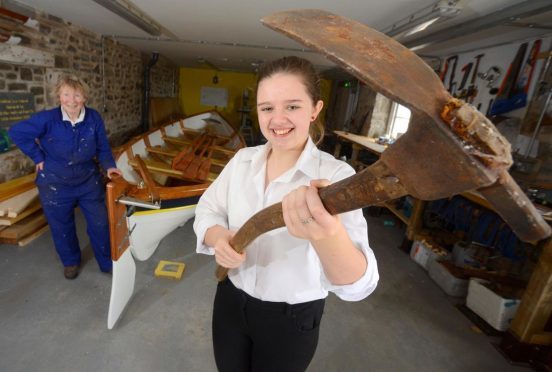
{"points": [[71, 272]]}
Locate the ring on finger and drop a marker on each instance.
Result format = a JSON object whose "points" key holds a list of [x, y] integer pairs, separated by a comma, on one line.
{"points": [[308, 220]]}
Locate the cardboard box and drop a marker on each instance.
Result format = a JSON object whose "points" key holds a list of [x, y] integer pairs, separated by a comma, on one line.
{"points": [[452, 285], [423, 252], [493, 308]]}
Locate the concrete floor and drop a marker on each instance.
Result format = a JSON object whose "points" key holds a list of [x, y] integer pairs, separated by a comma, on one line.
{"points": [[48, 323]]}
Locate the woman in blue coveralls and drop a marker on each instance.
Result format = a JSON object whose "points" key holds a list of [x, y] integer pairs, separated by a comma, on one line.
{"points": [[66, 143]]}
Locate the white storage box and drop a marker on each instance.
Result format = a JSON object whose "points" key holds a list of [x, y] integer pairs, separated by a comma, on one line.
{"points": [[423, 253], [449, 283], [494, 309]]}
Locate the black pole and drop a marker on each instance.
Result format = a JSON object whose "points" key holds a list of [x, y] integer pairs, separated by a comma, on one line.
{"points": [[145, 111]]}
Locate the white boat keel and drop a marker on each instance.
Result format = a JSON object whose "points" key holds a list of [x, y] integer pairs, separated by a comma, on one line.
{"points": [[122, 286]]}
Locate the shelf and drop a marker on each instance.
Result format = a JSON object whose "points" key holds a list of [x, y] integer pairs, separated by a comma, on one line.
{"points": [[397, 212]]}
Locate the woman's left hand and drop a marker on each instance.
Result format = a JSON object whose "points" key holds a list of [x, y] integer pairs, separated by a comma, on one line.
{"points": [[305, 215], [112, 171]]}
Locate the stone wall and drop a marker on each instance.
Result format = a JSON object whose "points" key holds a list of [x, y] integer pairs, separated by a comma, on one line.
{"points": [[55, 47]]}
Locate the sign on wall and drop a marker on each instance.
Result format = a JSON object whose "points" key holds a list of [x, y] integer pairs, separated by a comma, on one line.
{"points": [[214, 96], [15, 107]]}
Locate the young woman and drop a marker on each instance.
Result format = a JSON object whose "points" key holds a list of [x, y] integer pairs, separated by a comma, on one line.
{"points": [[65, 143], [267, 312]]}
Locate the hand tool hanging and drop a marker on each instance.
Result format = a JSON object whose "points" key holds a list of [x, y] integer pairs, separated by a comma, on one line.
{"points": [[452, 83], [443, 74], [472, 89], [502, 100], [462, 93], [513, 92], [466, 151], [490, 76], [444, 71]]}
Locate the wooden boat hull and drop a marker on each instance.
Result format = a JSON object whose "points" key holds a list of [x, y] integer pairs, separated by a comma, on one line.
{"points": [[148, 176]]}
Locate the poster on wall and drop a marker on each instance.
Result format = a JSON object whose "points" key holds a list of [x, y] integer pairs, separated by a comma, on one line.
{"points": [[15, 107], [214, 96]]}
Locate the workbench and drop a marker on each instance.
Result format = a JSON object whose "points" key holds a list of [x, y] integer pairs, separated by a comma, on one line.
{"points": [[535, 309], [412, 222]]}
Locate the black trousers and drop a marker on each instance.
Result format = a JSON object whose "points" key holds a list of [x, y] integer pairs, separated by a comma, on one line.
{"points": [[254, 335]]}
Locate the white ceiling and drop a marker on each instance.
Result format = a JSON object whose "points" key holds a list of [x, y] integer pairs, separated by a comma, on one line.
{"points": [[228, 34]]}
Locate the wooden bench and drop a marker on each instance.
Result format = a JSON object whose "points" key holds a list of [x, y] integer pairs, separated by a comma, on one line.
{"points": [[160, 150], [180, 142], [165, 169]]}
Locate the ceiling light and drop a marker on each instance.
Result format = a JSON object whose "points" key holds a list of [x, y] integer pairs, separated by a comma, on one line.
{"points": [[421, 26], [423, 18], [130, 12]]}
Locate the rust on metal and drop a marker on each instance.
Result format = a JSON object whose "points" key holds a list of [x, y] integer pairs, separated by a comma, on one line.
{"points": [[478, 135], [381, 62]]}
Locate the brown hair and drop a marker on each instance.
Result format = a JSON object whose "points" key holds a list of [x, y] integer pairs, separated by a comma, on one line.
{"points": [[305, 70], [72, 81]]}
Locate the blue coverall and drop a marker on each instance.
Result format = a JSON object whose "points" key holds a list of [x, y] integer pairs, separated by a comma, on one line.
{"points": [[70, 178]]}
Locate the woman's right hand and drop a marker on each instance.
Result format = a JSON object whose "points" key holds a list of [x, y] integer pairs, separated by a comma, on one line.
{"points": [[225, 255], [39, 166]]}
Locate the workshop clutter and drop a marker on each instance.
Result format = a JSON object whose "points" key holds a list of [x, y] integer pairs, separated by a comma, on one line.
{"points": [[484, 263], [494, 303], [424, 251], [473, 271], [21, 217], [472, 223], [479, 256]]}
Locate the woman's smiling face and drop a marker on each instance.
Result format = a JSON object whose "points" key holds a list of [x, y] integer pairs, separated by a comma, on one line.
{"points": [[285, 111], [71, 100]]}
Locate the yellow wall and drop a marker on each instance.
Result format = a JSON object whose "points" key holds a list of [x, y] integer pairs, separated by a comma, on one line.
{"points": [[193, 79]]}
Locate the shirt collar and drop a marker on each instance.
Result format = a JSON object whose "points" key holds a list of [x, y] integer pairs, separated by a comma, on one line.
{"points": [[65, 117], [308, 162]]}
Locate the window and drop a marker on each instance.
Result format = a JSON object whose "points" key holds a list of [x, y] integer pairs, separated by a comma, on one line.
{"points": [[398, 120]]}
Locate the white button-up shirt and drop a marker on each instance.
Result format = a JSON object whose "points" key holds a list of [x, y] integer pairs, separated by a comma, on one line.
{"points": [[280, 267]]}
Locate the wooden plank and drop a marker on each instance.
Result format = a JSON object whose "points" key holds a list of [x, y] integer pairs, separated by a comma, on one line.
{"points": [[179, 141], [33, 207], [172, 153], [24, 227], [396, 212], [197, 132], [416, 219], [164, 109], [536, 304], [366, 142], [164, 168], [16, 186], [544, 338], [14, 206], [25, 56], [28, 239]]}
